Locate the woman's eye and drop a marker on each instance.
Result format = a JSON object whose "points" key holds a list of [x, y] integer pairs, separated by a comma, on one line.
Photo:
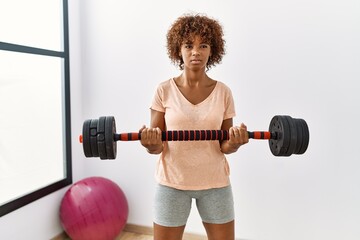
{"points": [[188, 46]]}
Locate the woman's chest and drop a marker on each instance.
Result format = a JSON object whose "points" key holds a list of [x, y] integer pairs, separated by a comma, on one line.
{"points": [[196, 96]]}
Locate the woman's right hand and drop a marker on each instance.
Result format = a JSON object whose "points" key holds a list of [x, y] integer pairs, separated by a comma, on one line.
{"points": [[151, 139]]}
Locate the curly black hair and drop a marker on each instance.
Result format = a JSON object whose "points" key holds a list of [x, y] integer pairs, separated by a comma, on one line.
{"points": [[186, 27]]}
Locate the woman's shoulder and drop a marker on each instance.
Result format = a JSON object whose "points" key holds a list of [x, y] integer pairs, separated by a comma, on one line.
{"points": [[223, 86], [166, 83]]}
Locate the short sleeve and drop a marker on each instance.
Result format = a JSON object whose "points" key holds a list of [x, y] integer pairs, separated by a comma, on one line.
{"points": [[229, 105], [157, 102]]}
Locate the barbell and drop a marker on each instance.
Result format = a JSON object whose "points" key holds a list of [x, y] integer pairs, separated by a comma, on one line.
{"points": [[286, 136]]}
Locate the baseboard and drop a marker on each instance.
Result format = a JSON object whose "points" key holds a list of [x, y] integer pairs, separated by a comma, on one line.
{"points": [[133, 228], [61, 236]]}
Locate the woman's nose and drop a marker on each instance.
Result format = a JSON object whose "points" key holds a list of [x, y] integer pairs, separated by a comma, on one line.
{"points": [[195, 52]]}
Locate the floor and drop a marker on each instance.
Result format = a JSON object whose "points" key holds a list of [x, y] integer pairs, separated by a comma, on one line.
{"points": [[135, 232], [123, 236], [137, 236], [134, 236]]}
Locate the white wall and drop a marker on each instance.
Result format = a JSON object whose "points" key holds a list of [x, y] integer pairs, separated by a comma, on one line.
{"points": [[299, 58], [284, 57]]}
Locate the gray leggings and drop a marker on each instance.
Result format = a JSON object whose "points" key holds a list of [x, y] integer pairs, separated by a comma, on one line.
{"points": [[172, 206]]}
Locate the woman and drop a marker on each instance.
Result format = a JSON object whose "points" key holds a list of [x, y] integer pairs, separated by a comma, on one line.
{"points": [[189, 170]]}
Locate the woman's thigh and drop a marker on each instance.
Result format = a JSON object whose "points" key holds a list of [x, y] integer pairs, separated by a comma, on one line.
{"points": [[168, 233], [216, 205], [225, 231], [171, 207]]}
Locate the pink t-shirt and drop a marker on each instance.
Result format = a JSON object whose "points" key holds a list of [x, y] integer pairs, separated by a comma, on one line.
{"points": [[193, 165]]}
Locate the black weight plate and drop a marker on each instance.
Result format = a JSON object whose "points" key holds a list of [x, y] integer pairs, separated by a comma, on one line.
{"points": [[293, 136], [86, 138], [300, 136], [306, 137], [275, 127], [286, 136], [110, 143], [280, 126], [93, 137], [101, 138]]}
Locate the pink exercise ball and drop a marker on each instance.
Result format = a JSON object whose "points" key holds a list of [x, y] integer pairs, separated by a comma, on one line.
{"points": [[94, 208]]}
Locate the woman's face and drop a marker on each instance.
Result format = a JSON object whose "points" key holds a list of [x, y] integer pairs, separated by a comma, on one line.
{"points": [[195, 53]]}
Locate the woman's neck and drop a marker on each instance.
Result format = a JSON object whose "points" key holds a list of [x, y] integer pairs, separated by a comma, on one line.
{"points": [[192, 79]]}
